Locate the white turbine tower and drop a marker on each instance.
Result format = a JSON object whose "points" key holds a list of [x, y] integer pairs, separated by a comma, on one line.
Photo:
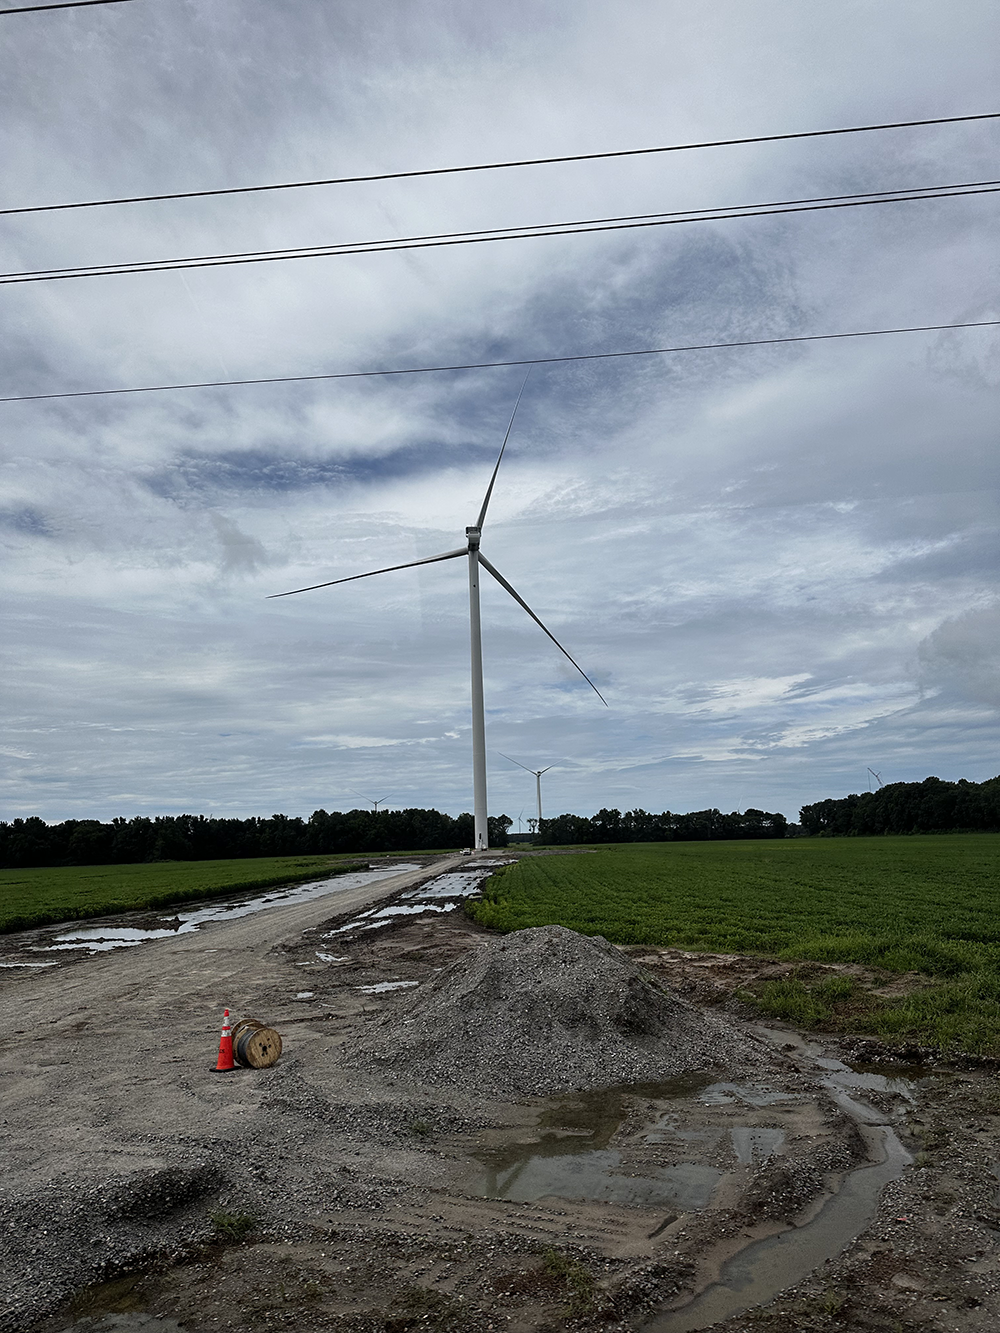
{"points": [[476, 558], [537, 772]]}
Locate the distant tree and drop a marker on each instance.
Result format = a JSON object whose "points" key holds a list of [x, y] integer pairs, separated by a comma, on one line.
{"points": [[931, 806], [497, 826], [566, 830], [608, 827], [641, 826]]}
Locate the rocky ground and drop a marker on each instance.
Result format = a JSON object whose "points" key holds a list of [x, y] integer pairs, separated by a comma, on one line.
{"points": [[344, 1190]]}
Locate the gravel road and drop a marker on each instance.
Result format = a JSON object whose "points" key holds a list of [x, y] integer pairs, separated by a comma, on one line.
{"points": [[383, 1195], [105, 1098]]}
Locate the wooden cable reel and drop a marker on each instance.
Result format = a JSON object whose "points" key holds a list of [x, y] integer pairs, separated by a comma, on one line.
{"points": [[254, 1045]]}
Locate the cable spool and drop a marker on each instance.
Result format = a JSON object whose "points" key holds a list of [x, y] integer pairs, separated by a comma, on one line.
{"points": [[254, 1045]]}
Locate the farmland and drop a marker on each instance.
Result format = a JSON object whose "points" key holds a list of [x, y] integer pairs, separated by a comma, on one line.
{"points": [[38, 895], [924, 905]]}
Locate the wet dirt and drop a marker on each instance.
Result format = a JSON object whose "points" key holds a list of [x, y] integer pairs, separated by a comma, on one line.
{"points": [[757, 1273], [116, 932], [376, 1206], [566, 1155]]}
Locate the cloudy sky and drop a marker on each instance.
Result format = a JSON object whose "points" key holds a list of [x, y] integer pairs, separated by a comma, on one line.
{"points": [[778, 564]]}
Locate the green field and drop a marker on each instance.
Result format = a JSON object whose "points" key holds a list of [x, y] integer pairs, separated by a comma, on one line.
{"points": [[43, 894], [894, 904]]}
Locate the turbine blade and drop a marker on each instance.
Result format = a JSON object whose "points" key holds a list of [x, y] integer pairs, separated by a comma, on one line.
{"points": [[410, 564], [518, 598], [489, 489], [545, 770], [515, 761]]}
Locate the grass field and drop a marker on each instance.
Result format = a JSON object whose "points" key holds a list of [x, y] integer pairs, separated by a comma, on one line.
{"points": [[43, 894], [909, 904]]}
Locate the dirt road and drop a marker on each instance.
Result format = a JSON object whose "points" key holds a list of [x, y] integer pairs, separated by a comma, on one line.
{"points": [[104, 1068], [315, 1195]]}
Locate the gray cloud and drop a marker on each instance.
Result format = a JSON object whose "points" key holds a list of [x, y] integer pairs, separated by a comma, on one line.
{"points": [[779, 564], [962, 656]]}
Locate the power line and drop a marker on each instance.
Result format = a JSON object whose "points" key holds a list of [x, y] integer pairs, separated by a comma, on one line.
{"points": [[531, 232], [493, 166], [63, 4], [496, 365]]}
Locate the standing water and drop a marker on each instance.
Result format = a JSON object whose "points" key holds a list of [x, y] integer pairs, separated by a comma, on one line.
{"points": [[763, 1269], [759, 1272], [110, 935]]}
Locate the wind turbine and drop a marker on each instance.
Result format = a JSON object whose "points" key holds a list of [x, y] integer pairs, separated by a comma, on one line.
{"points": [[375, 804], [877, 777], [538, 782], [471, 549]]}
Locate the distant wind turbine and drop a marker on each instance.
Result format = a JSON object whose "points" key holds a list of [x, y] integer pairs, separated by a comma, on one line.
{"points": [[476, 558], [381, 800], [538, 780], [877, 777]]}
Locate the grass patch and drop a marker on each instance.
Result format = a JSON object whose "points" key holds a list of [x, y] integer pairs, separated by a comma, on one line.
{"points": [[577, 1282], [44, 894], [232, 1227], [925, 904], [959, 1014], [422, 1307]]}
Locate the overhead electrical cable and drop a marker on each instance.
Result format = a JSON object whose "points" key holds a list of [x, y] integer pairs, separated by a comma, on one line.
{"points": [[527, 232], [62, 4], [496, 166], [497, 365]]}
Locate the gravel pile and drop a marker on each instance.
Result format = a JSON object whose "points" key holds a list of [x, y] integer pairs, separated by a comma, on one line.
{"points": [[547, 1010]]}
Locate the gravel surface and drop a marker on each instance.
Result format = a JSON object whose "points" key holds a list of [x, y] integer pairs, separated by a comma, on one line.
{"points": [[128, 1164], [547, 1010]]}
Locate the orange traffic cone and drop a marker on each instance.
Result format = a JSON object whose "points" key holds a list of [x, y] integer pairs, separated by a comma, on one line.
{"points": [[225, 1061]]}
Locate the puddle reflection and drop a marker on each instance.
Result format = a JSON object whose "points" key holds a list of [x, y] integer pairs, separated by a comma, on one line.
{"points": [[722, 1094], [100, 939], [380, 987], [566, 1154], [596, 1175], [443, 894]]}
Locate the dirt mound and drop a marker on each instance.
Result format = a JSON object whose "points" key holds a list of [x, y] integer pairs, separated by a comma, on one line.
{"points": [[548, 1010]]}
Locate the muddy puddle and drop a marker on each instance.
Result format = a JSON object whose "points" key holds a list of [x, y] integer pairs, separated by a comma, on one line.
{"points": [[690, 1145], [443, 894], [757, 1273], [382, 987], [675, 1158], [114, 1307], [112, 934], [560, 1173]]}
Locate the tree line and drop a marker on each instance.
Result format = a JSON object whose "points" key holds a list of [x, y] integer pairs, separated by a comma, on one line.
{"points": [[931, 806], [641, 826], [32, 842]]}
